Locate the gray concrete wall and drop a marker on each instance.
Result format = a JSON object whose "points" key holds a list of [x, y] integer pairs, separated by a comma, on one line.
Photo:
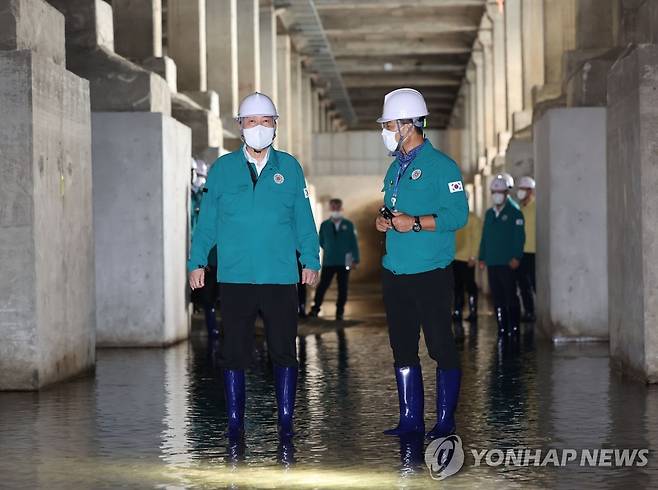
{"points": [[633, 212], [520, 158], [46, 242], [141, 175], [572, 275]]}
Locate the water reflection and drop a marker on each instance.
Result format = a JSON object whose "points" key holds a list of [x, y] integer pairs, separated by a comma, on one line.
{"points": [[156, 418]]}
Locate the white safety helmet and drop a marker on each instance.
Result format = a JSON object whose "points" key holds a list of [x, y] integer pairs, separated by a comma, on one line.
{"points": [[526, 183], [508, 178], [499, 184], [256, 104], [403, 103], [194, 165]]}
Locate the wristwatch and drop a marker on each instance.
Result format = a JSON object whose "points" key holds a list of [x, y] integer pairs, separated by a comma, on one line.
{"points": [[417, 226]]}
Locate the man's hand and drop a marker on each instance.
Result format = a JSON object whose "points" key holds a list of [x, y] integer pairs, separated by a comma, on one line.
{"points": [[382, 224], [514, 264], [482, 265], [309, 277], [402, 222], [197, 278]]}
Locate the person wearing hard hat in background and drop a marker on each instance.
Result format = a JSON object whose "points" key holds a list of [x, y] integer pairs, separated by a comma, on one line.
{"points": [[510, 184], [501, 250], [467, 244], [424, 191], [526, 274], [341, 254], [207, 295], [257, 211]]}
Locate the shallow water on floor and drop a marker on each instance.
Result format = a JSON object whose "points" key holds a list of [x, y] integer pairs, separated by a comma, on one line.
{"points": [[153, 418]]}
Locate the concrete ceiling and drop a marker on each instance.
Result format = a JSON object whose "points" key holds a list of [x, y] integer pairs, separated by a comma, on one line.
{"points": [[381, 45]]}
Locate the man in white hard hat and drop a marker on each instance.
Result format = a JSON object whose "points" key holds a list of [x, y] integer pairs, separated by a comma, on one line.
{"points": [[423, 189], [256, 210], [526, 275], [501, 251]]}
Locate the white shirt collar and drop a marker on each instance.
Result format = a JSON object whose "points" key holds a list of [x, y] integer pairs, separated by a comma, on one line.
{"points": [[259, 165]]}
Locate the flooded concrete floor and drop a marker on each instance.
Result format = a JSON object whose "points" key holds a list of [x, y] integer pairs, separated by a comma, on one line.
{"points": [[153, 418]]}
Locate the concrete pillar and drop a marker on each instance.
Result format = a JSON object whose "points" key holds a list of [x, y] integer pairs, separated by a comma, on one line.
{"points": [[485, 37], [559, 37], [473, 115], [306, 119], [222, 55], [513, 60], [639, 22], [138, 28], [115, 83], [499, 77], [141, 194], [284, 106], [296, 104], [268, 50], [586, 67], [186, 42], [248, 48], [532, 38], [572, 273], [46, 243], [478, 63], [633, 211]]}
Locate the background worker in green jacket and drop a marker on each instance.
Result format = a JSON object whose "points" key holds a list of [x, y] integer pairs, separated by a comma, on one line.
{"points": [[207, 295], [257, 211], [424, 189], [501, 250], [341, 254]]}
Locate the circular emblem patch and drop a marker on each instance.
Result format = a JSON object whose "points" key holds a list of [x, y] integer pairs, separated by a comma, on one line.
{"points": [[344, 227], [415, 175], [504, 217], [278, 179]]}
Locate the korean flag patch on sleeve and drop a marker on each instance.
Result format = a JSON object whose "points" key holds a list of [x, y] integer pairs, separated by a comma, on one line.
{"points": [[306, 192], [456, 186]]}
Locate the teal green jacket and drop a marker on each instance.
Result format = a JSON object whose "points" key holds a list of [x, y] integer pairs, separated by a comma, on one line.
{"points": [[338, 243], [257, 228], [195, 208], [503, 236], [431, 184]]}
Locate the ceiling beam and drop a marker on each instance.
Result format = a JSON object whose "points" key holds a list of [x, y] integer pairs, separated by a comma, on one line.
{"points": [[386, 80], [338, 25], [394, 4], [397, 48]]}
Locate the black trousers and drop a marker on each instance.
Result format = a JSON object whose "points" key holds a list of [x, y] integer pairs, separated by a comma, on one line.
{"points": [[326, 276], [526, 282], [464, 281], [412, 300], [239, 307], [206, 297], [502, 281]]}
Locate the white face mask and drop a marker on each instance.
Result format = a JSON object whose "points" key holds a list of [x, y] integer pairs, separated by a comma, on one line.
{"points": [[336, 215], [521, 194], [198, 183], [389, 140], [498, 198], [258, 137]]}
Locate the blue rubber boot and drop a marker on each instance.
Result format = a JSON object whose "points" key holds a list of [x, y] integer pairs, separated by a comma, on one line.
{"points": [[447, 395], [410, 396], [235, 398], [285, 380]]}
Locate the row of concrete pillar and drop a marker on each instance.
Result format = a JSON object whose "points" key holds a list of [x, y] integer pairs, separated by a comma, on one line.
{"points": [[566, 91], [107, 109]]}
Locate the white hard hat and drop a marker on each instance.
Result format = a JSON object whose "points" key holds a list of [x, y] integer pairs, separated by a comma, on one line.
{"points": [[403, 103], [194, 165], [257, 104], [508, 178], [499, 184], [202, 168], [527, 183]]}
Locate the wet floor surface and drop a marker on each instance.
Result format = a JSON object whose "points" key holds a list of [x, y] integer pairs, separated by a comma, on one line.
{"points": [[153, 418]]}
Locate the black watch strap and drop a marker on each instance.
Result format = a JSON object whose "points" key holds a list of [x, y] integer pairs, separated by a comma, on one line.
{"points": [[417, 225]]}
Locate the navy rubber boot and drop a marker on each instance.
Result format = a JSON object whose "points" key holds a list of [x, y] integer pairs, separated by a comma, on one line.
{"points": [[234, 391], [447, 395], [285, 380], [410, 395]]}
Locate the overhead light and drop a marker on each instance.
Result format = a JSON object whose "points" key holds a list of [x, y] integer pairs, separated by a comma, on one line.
{"points": [[388, 66]]}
